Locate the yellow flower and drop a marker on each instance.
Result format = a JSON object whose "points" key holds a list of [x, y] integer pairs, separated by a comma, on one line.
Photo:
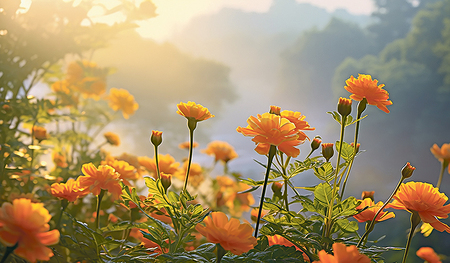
{"points": [[300, 124], [59, 160], [185, 145], [428, 254], [365, 87], [26, 224], [92, 87], [442, 154], [270, 129], [70, 190], [222, 151], [121, 99], [230, 234], [104, 177], [426, 200], [112, 138], [342, 254], [195, 174], [193, 110], [125, 170], [167, 164], [369, 213]]}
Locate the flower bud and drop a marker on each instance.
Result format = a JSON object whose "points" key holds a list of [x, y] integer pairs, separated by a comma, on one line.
{"points": [[357, 146], [367, 194], [166, 180], [40, 133], [327, 150], [275, 110], [407, 170], [276, 188], [344, 106], [315, 143], [156, 138]]}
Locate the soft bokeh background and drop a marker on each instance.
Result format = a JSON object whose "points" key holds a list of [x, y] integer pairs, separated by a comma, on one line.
{"points": [[238, 57]]}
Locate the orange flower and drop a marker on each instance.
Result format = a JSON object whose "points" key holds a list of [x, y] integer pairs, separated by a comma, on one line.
{"points": [[121, 99], [222, 151], [230, 234], [167, 164], [125, 170], [367, 194], [369, 213], [26, 224], [424, 199], [428, 254], [92, 87], [59, 160], [254, 215], [193, 110], [279, 240], [195, 174], [104, 177], [342, 254], [61, 87], [112, 138], [70, 190], [185, 145], [365, 87], [40, 133], [270, 129], [275, 110], [298, 120], [442, 154]]}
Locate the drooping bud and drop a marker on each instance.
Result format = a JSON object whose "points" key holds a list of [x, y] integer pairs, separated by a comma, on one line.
{"points": [[156, 137], [315, 143], [367, 194], [166, 180], [275, 110], [327, 150], [276, 188], [407, 170], [344, 106]]}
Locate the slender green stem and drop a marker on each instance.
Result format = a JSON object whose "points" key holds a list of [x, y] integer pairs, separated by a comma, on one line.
{"points": [[191, 147], [286, 179], [272, 152], [328, 225], [372, 223], [220, 253], [8, 251], [158, 174], [64, 204], [444, 165], [99, 201], [415, 220]]}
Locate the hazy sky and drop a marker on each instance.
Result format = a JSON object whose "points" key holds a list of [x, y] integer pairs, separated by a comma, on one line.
{"points": [[174, 14]]}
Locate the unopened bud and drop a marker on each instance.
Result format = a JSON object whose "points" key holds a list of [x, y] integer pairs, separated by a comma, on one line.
{"points": [[344, 106], [327, 150], [166, 180], [275, 110], [156, 138], [357, 146], [315, 144], [276, 188], [407, 170], [367, 194]]}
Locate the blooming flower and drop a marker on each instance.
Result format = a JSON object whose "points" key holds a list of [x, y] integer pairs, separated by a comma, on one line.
{"points": [[365, 87], [92, 87], [428, 254], [195, 173], [369, 213], [112, 138], [121, 99], [125, 170], [222, 151], [230, 234], [426, 200], [442, 154], [342, 254], [298, 120], [167, 164], [193, 110], [104, 177], [70, 190], [26, 224], [270, 129]]}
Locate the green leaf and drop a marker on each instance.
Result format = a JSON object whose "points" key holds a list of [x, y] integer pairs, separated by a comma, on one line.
{"points": [[324, 172], [347, 226], [323, 193], [347, 150]]}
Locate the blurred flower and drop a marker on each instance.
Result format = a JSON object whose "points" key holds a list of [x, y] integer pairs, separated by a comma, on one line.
{"points": [[367, 194], [194, 111], [74, 71], [61, 87], [185, 145], [230, 234], [428, 254], [92, 87], [327, 150], [254, 214], [365, 87], [40, 133], [112, 218], [125, 170], [279, 240], [424, 199], [167, 164], [196, 176], [70, 190], [26, 224], [342, 254], [269, 129], [121, 99], [112, 138], [104, 177], [59, 160], [222, 151], [372, 209], [442, 154], [156, 138], [245, 199], [426, 229]]}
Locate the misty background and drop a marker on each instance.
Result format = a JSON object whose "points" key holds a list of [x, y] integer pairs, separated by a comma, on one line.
{"points": [[297, 56]]}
